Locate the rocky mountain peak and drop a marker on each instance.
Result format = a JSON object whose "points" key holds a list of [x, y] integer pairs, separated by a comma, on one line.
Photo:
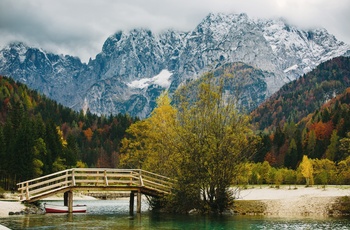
{"points": [[135, 66]]}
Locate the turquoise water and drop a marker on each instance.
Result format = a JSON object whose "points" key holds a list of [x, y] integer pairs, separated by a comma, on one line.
{"points": [[114, 214]]}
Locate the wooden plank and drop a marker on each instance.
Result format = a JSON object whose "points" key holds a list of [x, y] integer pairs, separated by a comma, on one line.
{"points": [[57, 179], [44, 177], [47, 188]]}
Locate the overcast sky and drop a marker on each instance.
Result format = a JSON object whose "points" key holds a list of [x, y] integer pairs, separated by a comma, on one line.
{"points": [[79, 27]]}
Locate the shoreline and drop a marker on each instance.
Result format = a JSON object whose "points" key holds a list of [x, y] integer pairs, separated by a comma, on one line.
{"points": [[293, 201], [284, 201], [284, 192]]}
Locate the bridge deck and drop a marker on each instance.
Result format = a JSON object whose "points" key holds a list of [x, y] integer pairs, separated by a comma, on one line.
{"points": [[95, 179]]}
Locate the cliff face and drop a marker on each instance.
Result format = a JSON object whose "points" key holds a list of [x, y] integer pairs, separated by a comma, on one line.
{"points": [[135, 66]]}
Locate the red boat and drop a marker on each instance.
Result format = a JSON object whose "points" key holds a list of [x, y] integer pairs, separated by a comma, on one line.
{"points": [[50, 208]]}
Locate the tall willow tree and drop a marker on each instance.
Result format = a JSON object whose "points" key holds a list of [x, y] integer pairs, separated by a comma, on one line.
{"points": [[199, 143]]}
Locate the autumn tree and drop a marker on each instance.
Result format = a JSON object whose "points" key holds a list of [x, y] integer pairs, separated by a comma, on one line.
{"points": [[307, 170], [200, 143], [324, 170], [153, 142], [343, 171], [213, 138]]}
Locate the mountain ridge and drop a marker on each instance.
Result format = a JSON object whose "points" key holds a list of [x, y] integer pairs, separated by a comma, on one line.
{"points": [[104, 85]]}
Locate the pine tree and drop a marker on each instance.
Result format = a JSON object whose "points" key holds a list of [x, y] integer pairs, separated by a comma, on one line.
{"points": [[3, 157], [291, 158], [332, 149]]}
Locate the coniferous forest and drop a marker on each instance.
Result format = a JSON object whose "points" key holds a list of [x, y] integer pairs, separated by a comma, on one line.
{"points": [[39, 136]]}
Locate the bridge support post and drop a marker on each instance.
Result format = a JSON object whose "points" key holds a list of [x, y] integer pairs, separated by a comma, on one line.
{"points": [[70, 202], [131, 204], [138, 210]]}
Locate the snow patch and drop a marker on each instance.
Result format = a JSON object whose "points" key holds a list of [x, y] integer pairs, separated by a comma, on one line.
{"points": [[293, 67], [85, 106], [162, 79]]}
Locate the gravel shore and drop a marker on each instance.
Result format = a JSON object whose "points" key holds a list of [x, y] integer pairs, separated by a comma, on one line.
{"points": [[293, 201]]}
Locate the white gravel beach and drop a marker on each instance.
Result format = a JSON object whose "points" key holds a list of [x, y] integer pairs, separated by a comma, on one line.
{"points": [[266, 193], [293, 201]]}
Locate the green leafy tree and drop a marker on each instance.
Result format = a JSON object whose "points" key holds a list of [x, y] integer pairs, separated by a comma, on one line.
{"points": [[265, 171], [39, 152], [344, 146], [290, 177], [278, 178], [324, 170], [343, 171]]}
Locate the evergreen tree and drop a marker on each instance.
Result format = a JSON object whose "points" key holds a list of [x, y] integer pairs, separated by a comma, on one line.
{"points": [[291, 158], [3, 157], [311, 144], [332, 149]]}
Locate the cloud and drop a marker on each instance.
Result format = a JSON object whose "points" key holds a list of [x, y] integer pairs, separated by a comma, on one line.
{"points": [[79, 27]]}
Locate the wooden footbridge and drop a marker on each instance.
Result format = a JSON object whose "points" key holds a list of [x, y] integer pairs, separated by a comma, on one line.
{"points": [[96, 179]]}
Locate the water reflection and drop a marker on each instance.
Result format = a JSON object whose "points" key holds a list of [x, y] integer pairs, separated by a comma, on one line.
{"points": [[115, 215]]}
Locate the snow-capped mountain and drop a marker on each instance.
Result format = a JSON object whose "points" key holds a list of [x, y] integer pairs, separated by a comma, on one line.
{"points": [[135, 66]]}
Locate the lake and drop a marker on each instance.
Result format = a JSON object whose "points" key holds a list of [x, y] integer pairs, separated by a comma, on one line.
{"points": [[114, 214]]}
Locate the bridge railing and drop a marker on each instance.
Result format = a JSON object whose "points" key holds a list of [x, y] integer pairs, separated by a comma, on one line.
{"points": [[93, 177], [156, 182]]}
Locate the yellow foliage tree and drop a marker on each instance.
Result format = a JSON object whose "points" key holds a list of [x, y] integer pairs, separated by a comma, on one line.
{"points": [[151, 146], [306, 170], [60, 134]]}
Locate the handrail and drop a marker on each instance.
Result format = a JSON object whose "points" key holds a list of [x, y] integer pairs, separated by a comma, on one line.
{"points": [[79, 178]]}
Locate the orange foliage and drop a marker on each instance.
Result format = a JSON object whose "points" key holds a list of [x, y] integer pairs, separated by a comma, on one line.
{"points": [[270, 158], [322, 130], [88, 134]]}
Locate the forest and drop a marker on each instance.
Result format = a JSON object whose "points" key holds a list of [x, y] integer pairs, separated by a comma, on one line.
{"points": [[39, 136], [309, 116]]}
